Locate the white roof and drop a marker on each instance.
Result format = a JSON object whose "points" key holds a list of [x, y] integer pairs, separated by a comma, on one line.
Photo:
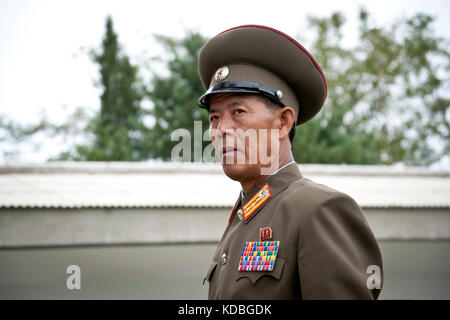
{"points": [[160, 184]]}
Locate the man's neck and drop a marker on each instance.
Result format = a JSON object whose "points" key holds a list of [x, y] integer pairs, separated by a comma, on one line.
{"points": [[249, 184]]}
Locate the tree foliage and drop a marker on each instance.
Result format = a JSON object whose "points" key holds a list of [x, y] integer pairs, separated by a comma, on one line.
{"points": [[117, 131], [387, 98], [387, 101], [174, 95]]}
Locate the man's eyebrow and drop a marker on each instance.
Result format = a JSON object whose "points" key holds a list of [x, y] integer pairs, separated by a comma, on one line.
{"points": [[230, 105], [236, 103]]}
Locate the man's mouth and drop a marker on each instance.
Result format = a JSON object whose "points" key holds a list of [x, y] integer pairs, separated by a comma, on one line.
{"points": [[229, 150]]}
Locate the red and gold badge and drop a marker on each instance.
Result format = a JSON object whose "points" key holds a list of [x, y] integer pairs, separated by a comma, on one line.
{"points": [[265, 233], [257, 201]]}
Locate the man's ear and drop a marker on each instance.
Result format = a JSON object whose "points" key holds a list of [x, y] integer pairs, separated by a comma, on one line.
{"points": [[287, 120]]}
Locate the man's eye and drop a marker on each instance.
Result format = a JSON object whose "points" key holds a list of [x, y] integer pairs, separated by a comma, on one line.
{"points": [[239, 111], [214, 117]]}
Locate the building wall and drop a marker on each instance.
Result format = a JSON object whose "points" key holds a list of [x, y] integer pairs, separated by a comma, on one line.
{"points": [[164, 253], [55, 227], [412, 270]]}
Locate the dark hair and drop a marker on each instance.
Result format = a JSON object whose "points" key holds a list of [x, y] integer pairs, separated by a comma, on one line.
{"points": [[272, 105], [292, 133]]}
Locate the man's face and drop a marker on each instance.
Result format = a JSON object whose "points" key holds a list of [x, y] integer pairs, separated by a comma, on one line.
{"points": [[242, 127]]}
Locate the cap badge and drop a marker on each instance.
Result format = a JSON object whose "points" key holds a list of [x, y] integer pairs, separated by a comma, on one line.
{"points": [[222, 73]]}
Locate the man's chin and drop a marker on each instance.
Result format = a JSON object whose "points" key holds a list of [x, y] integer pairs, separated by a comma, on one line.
{"points": [[238, 172]]}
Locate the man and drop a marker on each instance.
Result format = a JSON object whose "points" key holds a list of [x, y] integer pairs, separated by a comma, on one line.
{"points": [[287, 237]]}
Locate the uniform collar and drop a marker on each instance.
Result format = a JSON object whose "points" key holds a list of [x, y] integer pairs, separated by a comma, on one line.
{"points": [[274, 184], [293, 161]]}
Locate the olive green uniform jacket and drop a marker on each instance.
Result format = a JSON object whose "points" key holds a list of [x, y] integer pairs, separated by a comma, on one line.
{"points": [[325, 248]]}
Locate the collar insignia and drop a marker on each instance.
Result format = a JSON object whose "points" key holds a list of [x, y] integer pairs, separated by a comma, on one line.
{"points": [[257, 201]]}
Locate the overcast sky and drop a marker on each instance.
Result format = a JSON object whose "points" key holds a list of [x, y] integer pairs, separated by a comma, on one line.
{"points": [[43, 64]]}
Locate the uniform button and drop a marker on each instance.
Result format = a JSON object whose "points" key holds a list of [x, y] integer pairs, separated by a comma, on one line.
{"points": [[240, 214], [224, 258]]}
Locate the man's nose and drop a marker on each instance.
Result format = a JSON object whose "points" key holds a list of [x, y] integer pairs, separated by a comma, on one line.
{"points": [[226, 126]]}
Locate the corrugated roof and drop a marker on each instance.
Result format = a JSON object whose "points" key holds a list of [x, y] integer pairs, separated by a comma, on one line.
{"points": [[159, 184]]}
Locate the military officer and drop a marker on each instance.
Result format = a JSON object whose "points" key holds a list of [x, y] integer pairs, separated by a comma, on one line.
{"points": [[287, 237]]}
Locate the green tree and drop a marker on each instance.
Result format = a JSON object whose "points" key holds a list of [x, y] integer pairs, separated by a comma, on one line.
{"points": [[13, 133], [117, 131], [387, 102], [387, 97], [174, 95]]}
